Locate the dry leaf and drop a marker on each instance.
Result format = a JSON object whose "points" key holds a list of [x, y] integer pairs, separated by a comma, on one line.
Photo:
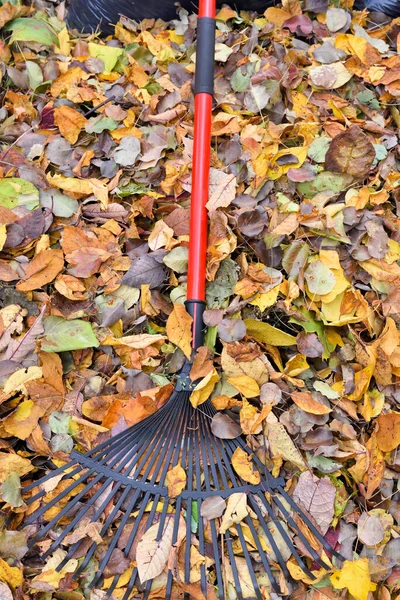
{"points": [[152, 555], [176, 481], [236, 511], [306, 402], [42, 269], [69, 121], [179, 329], [243, 466]]}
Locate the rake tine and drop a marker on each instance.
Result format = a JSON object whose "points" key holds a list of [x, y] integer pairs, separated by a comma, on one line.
{"points": [[232, 560], [220, 581], [310, 525], [50, 475], [261, 552], [270, 537], [40, 511], [285, 536], [248, 561], [106, 525], [78, 517], [306, 543], [174, 540], [130, 584]]}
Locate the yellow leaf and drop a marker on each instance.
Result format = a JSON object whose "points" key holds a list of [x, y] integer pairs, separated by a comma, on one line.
{"points": [[17, 380], [262, 332], [236, 511], [246, 385], [263, 301], [251, 419], [277, 16], [80, 187], [10, 463], [3, 236], [298, 574], [243, 466], [158, 48], [179, 329], [225, 14], [306, 402], [381, 270], [358, 46], [204, 388], [23, 421], [296, 365], [355, 577], [64, 42], [10, 575], [281, 444], [69, 121], [108, 54], [176, 481]]}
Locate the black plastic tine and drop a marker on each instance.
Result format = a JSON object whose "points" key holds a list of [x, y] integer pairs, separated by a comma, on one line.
{"points": [[310, 525], [40, 511], [147, 590], [286, 537], [178, 507], [131, 583], [262, 554], [157, 443], [301, 535], [269, 536], [50, 475], [79, 516], [220, 579], [191, 428], [249, 564], [116, 535], [235, 573]]}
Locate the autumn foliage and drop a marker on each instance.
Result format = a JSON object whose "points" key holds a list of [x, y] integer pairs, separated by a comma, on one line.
{"points": [[302, 348]]}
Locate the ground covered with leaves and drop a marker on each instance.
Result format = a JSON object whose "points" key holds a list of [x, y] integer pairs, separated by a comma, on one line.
{"points": [[302, 346]]}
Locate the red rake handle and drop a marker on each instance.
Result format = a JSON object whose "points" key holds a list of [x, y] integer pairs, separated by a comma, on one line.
{"points": [[204, 87]]}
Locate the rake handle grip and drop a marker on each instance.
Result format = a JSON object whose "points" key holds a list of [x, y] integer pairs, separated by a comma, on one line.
{"points": [[204, 85]]}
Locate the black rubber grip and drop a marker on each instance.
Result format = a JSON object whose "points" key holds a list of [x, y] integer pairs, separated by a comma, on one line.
{"points": [[195, 308], [205, 51]]}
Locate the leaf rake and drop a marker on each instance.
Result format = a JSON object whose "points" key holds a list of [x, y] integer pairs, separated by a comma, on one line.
{"points": [[119, 486]]}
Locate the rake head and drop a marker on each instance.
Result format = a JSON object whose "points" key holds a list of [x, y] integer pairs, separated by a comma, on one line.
{"points": [[119, 488]]}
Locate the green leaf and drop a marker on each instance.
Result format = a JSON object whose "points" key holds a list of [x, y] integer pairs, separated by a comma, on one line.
{"points": [[108, 54], [320, 279], [59, 422], [11, 490], [132, 189], [240, 79], [25, 29], [18, 192], [326, 181], [99, 124], [35, 74], [318, 149], [221, 288], [325, 465], [61, 335], [326, 390], [59, 204], [177, 259]]}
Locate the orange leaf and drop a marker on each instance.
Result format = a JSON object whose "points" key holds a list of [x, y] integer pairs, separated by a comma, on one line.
{"points": [[42, 269], [202, 363], [242, 464], [179, 329], [376, 467], [69, 121], [388, 432], [176, 481], [306, 402]]}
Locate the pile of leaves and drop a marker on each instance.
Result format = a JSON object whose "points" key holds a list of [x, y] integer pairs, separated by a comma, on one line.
{"points": [[302, 348]]}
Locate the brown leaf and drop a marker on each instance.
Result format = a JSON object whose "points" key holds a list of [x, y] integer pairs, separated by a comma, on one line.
{"points": [[152, 555], [350, 152], [388, 431], [212, 508], [202, 363], [376, 468], [224, 427], [42, 269], [317, 497]]}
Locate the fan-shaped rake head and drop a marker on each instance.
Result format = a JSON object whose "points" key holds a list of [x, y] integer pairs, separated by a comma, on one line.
{"points": [[120, 487]]}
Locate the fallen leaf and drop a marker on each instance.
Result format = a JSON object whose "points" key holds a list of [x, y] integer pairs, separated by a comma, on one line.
{"points": [[350, 152], [243, 466], [306, 402], [179, 329], [388, 431], [69, 121], [224, 427], [44, 268], [176, 481], [236, 511], [152, 555], [246, 385], [355, 577], [317, 497], [11, 575], [204, 388], [212, 507]]}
